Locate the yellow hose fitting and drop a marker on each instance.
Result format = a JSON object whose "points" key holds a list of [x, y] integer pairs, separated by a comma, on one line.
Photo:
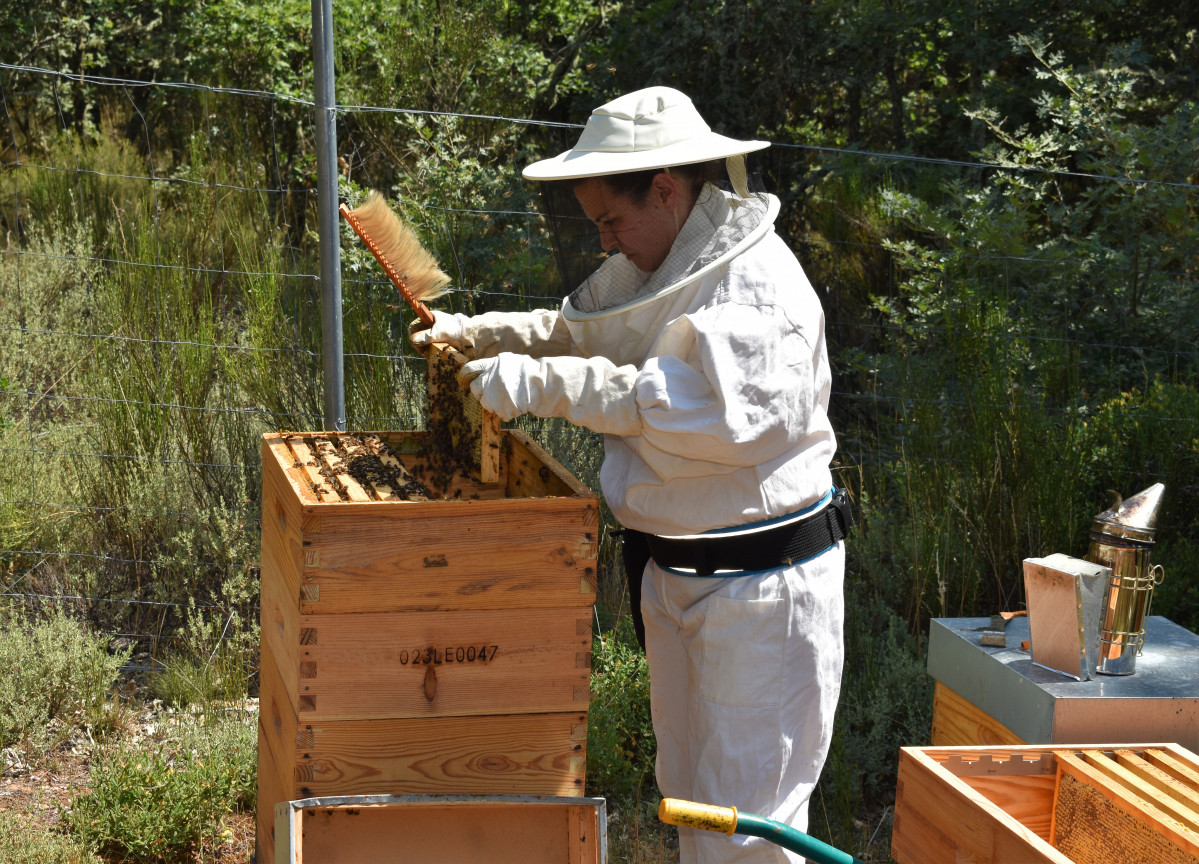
{"points": [[688, 814]]}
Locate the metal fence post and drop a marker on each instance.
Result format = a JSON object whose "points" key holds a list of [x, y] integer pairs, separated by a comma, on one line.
{"points": [[328, 225]]}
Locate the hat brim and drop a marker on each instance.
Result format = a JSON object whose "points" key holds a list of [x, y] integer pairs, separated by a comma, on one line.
{"points": [[576, 164]]}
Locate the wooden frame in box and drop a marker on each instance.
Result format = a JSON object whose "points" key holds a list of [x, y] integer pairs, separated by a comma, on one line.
{"points": [[1053, 804]]}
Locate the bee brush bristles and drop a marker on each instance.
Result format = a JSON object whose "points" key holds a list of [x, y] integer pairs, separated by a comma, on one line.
{"points": [[400, 246]]}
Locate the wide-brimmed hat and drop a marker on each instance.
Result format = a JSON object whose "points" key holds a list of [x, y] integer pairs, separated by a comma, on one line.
{"points": [[652, 128]]}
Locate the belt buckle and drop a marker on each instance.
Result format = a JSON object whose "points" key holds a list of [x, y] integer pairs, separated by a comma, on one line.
{"points": [[844, 510]]}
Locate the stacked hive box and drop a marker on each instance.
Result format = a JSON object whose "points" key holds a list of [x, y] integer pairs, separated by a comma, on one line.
{"points": [[510, 829], [435, 646]]}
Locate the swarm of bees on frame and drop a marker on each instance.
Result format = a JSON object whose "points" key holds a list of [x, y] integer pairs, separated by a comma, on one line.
{"points": [[343, 460], [450, 448]]}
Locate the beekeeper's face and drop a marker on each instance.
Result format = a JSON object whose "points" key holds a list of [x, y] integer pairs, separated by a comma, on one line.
{"points": [[642, 231]]}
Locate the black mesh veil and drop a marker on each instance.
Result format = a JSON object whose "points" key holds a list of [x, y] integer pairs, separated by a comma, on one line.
{"points": [[575, 239]]}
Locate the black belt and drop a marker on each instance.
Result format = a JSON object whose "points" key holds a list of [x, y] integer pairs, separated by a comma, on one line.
{"points": [[760, 550]]}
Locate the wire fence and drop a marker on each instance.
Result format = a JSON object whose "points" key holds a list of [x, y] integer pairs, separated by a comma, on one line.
{"points": [[145, 220]]}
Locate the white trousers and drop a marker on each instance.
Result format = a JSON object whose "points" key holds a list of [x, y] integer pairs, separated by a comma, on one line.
{"points": [[745, 673]]}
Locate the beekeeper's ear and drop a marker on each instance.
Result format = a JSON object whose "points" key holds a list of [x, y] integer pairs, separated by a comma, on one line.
{"points": [[665, 189]]}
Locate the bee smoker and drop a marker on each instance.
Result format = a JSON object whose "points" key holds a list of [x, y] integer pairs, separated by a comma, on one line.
{"points": [[1122, 539]]}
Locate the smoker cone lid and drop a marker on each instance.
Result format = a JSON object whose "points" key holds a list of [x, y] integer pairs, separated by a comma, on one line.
{"points": [[1133, 518]]}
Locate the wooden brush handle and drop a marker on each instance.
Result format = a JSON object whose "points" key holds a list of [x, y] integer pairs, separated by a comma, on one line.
{"points": [[418, 307]]}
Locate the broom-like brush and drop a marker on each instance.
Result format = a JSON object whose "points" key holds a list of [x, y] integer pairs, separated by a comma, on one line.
{"points": [[407, 264], [417, 277]]}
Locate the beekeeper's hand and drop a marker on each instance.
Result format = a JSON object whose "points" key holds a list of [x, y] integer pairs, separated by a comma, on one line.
{"points": [[447, 327], [539, 333], [472, 370], [591, 392]]}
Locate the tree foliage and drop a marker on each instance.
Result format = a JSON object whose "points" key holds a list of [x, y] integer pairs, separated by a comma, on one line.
{"points": [[876, 74], [1029, 305]]}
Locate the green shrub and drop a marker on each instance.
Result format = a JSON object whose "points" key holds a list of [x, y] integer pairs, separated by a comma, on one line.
{"points": [[219, 643], [1154, 431], [22, 842], [156, 802], [886, 703], [55, 676], [620, 736]]}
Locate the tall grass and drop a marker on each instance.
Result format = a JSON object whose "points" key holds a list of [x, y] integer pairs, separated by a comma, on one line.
{"points": [[152, 354]]}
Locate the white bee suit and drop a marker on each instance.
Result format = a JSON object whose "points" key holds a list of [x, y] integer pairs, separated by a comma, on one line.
{"points": [[710, 382]]}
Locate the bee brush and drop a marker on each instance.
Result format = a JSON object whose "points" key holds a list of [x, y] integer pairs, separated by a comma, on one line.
{"points": [[412, 270], [417, 277]]}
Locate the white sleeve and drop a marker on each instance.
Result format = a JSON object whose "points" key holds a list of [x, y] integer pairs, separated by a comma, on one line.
{"points": [[747, 396], [539, 333], [591, 392]]}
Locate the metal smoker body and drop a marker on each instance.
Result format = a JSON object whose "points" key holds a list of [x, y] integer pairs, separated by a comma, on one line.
{"points": [[1122, 539]]}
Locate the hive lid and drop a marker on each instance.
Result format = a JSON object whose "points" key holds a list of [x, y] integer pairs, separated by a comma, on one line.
{"points": [[1134, 518]]}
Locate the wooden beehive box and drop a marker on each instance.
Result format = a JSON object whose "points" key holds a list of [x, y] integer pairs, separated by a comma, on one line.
{"points": [[441, 830], [1012, 805], [438, 646]]}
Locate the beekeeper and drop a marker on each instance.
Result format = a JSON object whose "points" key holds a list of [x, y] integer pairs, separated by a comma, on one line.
{"points": [[697, 349]]}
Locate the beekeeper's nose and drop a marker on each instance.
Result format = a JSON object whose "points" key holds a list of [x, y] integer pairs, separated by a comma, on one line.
{"points": [[608, 240]]}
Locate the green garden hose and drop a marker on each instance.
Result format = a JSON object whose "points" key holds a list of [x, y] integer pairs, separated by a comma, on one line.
{"points": [[728, 821]]}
